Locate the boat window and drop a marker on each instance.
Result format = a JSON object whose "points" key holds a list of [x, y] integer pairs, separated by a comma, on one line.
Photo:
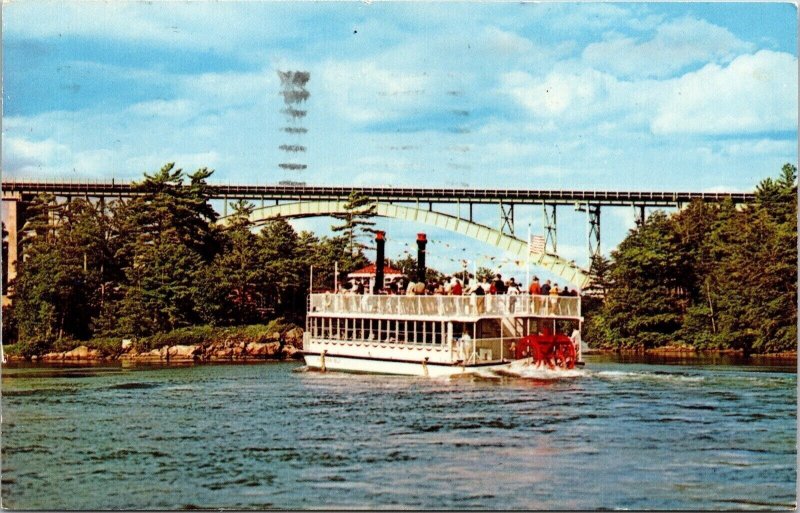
{"points": [[458, 330]]}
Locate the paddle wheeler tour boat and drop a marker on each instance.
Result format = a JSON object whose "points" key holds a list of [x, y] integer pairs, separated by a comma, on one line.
{"points": [[438, 335]]}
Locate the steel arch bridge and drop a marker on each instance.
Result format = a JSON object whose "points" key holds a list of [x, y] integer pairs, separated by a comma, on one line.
{"points": [[564, 269]]}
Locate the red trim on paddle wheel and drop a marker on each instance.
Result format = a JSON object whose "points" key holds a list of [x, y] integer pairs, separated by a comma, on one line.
{"points": [[554, 351]]}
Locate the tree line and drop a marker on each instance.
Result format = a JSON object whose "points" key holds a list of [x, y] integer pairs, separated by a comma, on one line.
{"points": [[160, 261], [711, 276]]}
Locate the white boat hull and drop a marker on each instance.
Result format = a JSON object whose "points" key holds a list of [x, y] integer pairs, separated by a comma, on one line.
{"points": [[385, 366]]}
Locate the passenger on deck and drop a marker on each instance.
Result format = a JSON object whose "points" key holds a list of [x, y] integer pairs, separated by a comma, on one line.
{"points": [[512, 284], [456, 289], [471, 285], [513, 292], [448, 285], [545, 290], [535, 288], [499, 284], [554, 304]]}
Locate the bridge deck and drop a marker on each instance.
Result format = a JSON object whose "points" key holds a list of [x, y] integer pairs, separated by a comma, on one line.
{"points": [[391, 194]]}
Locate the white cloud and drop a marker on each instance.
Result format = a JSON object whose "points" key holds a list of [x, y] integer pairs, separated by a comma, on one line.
{"points": [[759, 147], [753, 93], [194, 24], [362, 91], [588, 16], [180, 108], [567, 95], [21, 155], [674, 46]]}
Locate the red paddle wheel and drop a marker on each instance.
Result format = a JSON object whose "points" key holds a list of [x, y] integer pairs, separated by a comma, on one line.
{"points": [[554, 351]]}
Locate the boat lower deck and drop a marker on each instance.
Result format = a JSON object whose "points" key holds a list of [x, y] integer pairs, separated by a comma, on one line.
{"points": [[375, 365]]}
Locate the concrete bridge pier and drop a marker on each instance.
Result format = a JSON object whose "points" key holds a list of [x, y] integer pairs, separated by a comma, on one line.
{"points": [[11, 220]]}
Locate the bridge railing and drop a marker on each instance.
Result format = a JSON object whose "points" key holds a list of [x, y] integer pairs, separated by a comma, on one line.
{"points": [[446, 306]]}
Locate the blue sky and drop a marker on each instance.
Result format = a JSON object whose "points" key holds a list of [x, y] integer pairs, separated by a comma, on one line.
{"points": [[625, 96]]}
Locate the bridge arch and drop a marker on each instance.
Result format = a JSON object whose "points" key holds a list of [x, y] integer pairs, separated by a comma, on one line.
{"points": [[564, 269]]}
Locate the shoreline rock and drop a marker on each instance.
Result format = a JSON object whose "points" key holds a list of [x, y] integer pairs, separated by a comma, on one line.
{"points": [[286, 347]]}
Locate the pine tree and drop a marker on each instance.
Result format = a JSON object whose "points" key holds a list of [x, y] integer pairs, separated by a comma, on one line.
{"points": [[170, 234], [356, 221], [641, 309]]}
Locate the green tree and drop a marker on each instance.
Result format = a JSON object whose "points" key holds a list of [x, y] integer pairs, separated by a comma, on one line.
{"points": [[161, 294], [641, 310], [233, 284], [284, 262], [57, 290], [408, 265], [170, 234], [712, 276], [4, 258], [355, 221], [596, 332]]}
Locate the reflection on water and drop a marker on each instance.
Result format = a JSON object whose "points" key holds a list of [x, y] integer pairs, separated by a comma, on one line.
{"points": [[610, 435]]}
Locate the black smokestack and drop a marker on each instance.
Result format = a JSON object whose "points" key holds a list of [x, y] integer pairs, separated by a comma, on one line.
{"points": [[379, 242], [422, 241]]}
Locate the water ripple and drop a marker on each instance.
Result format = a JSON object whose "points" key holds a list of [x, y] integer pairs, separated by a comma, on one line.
{"points": [[273, 436]]}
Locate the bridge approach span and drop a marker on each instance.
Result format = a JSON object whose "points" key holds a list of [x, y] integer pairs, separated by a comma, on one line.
{"points": [[517, 248]]}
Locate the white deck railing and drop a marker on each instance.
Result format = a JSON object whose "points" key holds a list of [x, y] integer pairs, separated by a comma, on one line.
{"points": [[446, 306]]}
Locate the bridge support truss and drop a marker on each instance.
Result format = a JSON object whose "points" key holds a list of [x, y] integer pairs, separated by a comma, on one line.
{"points": [[550, 233], [594, 230], [506, 218]]}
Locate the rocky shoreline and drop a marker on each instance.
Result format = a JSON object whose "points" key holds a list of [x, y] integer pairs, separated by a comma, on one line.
{"points": [[277, 347], [289, 346]]}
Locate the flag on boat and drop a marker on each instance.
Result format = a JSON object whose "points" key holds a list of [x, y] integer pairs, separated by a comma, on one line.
{"points": [[536, 245]]}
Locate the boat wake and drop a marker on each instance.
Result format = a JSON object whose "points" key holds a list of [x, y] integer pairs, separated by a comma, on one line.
{"points": [[526, 370]]}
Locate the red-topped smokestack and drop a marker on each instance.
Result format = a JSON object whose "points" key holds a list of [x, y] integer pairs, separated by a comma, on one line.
{"points": [[380, 240], [422, 241]]}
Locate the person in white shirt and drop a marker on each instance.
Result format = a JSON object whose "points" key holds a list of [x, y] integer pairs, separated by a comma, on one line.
{"points": [[465, 346]]}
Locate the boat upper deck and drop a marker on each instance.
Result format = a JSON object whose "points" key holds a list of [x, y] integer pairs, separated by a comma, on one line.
{"points": [[444, 307]]}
